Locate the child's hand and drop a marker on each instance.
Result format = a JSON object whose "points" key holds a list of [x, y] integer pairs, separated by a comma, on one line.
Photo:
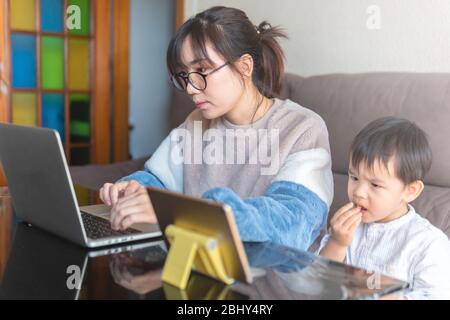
{"points": [[344, 224]]}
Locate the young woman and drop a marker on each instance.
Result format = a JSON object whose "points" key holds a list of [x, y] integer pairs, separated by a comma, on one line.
{"points": [[267, 158]]}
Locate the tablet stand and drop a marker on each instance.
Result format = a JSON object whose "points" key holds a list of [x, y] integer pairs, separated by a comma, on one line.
{"points": [[191, 250]]}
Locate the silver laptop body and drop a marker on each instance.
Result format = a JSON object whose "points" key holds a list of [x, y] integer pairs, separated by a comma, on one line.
{"points": [[42, 192]]}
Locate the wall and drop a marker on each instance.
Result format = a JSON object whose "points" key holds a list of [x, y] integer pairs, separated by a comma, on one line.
{"points": [[328, 36], [152, 24]]}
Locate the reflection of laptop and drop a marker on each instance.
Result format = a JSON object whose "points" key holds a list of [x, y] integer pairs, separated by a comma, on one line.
{"points": [[42, 191], [42, 266], [207, 218]]}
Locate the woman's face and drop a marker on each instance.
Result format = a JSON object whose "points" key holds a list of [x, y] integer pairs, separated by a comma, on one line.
{"points": [[225, 87]]}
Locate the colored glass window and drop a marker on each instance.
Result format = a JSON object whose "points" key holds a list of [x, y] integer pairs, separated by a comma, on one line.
{"points": [[78, 17], [53, 112], [80, 119], [23, 60], [52, 15], [23, 15], [52, 59], [78, 64], [24, 109]]}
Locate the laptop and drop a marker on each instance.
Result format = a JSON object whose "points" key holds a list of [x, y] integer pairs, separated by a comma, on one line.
{"points": [[43, 266], [43, 194]]}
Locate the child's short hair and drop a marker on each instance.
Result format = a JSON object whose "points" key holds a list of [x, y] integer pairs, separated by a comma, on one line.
{"points": [[390, 137]]}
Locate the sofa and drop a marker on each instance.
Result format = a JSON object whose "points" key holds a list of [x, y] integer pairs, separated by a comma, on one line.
{"points": [[347, 102]]}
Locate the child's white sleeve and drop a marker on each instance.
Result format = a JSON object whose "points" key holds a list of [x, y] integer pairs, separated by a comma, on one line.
{"points": [[323, 243]]}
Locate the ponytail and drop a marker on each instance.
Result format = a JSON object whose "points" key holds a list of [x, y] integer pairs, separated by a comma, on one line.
{"points": [[270, 76]]}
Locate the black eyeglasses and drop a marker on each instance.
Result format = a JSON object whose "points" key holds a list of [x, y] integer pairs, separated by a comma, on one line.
{"points": [[196, 79]]}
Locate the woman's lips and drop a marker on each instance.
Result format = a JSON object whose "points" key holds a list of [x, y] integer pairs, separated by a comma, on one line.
{"points": [[201, 104]]}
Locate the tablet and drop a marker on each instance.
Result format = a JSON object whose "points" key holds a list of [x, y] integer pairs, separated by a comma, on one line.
{"points": [[207, 218]]}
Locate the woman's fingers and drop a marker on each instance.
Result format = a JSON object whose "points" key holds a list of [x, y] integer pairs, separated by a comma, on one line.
{"points": [[104, 193], [133, 187], [138, 214], [138, 204], [129, 220], [115, 190]]}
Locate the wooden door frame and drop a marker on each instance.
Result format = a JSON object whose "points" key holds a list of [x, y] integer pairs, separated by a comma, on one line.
{"points": [[120, 49], [5, 72], [179, 13], [102, 82]]}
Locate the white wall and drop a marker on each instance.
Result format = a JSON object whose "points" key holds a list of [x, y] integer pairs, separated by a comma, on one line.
{"points": [[152, 23], [328, 36]]}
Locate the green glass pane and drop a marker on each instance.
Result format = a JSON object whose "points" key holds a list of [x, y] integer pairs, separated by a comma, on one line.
{"points": [[78, 17], [52, 59], [24, 109], [80, 118]]}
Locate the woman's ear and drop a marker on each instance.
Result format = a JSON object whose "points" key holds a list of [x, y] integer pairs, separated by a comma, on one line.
{"points": [[245, 65], [413, 190]]}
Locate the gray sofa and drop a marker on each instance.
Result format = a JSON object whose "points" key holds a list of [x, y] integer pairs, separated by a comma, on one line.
{"points": [[347, 102]]}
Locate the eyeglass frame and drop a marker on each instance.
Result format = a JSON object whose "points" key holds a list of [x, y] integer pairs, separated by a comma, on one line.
{"points": [[185, 76]]}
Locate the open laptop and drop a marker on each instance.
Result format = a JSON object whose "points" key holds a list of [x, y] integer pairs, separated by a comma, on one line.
{"points": [[43, 195]]}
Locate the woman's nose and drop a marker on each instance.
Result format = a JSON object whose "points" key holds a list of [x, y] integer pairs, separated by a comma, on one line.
{"points": [[191, 90]]}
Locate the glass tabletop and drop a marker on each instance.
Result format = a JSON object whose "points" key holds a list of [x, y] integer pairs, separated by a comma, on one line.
{"points": [[37, 265]]}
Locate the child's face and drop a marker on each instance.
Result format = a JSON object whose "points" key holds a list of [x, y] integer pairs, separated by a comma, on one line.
{"points": [[378, 191], [224, 87]]}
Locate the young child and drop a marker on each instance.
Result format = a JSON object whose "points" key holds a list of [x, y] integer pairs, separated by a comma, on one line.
{"points": [[379, 230]]}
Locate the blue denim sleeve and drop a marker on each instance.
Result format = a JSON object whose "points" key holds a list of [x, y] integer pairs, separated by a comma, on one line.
{"points": [[287, 214], [146, 178]]}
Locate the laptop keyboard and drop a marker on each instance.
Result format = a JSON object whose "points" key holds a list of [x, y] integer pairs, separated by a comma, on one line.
{"points": [[97, 228]]}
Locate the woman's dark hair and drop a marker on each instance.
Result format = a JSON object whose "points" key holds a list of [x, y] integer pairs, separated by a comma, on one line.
{"points": [[232, 35], [393, 137]]}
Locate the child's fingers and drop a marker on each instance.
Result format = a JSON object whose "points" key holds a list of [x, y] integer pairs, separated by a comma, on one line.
{"points": [[341, 211], [354, 225], [350, 222], [347, 215]]}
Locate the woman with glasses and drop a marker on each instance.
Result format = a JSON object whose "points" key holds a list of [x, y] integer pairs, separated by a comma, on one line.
{"points": [[233, 70]]}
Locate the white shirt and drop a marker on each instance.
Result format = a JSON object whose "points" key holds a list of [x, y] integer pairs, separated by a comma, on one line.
{"points": [[409, 248]]}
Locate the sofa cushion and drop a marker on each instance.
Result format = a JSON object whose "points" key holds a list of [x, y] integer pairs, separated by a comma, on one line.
{"points": [[94, 176], [347, 102]]}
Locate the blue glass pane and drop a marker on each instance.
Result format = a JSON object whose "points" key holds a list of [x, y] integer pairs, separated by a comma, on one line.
{"points": [[52, 15], [53, 112], [23, 60]]}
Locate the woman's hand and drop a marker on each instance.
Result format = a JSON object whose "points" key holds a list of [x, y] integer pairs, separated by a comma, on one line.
{"points": [[130, 204], [111, 192], [143, 283]]}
